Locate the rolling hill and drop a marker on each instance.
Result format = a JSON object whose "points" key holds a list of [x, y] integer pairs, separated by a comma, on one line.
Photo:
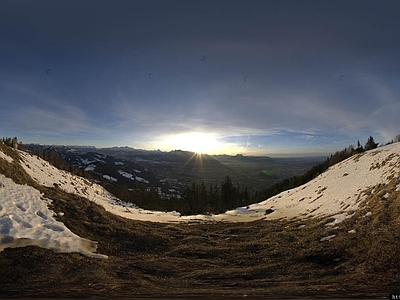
{"points": [[338, 235]]}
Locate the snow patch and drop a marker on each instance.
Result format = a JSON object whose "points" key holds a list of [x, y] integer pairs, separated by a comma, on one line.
{"points": [[86, 161], [140, 179], [132, 177], [6, 157], [327, 238], [90, 168], [126, 175], [110, 178], [26, 221], [385, 196]]}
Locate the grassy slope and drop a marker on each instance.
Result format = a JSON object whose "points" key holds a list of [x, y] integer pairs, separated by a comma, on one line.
{"points": [[259, 258]]}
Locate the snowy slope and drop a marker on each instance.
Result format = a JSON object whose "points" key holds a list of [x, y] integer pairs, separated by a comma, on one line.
{"points": [[26, 220], [336, 193], [45, 174]]}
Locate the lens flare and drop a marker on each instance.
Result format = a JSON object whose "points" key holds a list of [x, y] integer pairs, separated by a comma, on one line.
{"points": [[199, 142]]}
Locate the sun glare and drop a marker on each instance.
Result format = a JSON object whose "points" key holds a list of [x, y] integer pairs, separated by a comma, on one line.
{"points": [[199, 142]]}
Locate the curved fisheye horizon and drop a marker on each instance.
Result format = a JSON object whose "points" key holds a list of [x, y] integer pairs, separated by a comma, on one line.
{"points": [[216, 77], [218, 149]]}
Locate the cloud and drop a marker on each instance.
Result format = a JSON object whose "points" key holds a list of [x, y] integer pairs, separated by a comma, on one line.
{"points": [[69, 120], [294, 98]]}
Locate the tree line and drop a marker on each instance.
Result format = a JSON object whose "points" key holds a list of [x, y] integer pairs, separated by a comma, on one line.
{"points": [[11, 142]]}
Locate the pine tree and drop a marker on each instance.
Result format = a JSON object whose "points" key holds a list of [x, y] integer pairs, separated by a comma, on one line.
{"points": [[359, 148], [14, 143], [227, 192], [370, 144]]}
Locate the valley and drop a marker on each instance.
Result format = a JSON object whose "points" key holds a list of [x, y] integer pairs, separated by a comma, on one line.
{"points": [[172, 172], [336, 236]]}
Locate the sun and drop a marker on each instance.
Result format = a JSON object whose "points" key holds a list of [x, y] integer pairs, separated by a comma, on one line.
{"points": [[199, 142]]}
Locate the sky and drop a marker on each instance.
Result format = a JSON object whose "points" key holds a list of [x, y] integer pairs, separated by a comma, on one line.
{"points": [[278, 78]]}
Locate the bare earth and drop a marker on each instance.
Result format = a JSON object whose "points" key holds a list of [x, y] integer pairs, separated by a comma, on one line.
{"points": [[261, 258]]}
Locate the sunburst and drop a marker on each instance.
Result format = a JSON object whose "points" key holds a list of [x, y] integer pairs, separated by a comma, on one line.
{"points": [[198, 142]]}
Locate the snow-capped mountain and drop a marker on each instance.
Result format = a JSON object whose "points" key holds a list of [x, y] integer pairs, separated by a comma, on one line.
{"points": [[337, 194]]}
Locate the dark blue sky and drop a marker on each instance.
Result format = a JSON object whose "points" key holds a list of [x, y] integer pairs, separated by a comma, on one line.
{"points": [[251, 77]]}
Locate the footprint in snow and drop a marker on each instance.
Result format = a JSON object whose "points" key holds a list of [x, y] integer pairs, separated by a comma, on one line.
{"points": [[20, 207], [41, 214], [5, 225], [53, 227], [22, 222]]}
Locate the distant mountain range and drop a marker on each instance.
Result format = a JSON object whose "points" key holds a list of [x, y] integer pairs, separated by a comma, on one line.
{"points": [[171, 172]]}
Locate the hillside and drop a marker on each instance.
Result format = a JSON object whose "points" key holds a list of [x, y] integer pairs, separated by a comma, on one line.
{"points": [[337, 235]]}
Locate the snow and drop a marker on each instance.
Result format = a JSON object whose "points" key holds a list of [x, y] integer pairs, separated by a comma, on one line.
{"points": [[132, 177], [319, 197], [6, 157], [140, 179], [327, 238], [90, 168], [126, 175], [86, 161], [108, 177], [336, 194], [45, 174], [25, 220]]}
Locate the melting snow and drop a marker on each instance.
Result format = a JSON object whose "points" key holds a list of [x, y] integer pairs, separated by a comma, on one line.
{"points": [[25, 220], [385, 196], [110, 178], [132, 177], [6, 157], [86, 161], [319, 197], [336, 193], [327, 238], [90, 168], [127, 175], [140, 179]]}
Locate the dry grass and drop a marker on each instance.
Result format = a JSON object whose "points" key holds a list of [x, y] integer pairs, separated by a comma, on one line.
{"points": [[258, 258]]}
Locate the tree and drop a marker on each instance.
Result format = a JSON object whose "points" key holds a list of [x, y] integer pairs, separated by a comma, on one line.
{"points": [[11, 142], [370, 144], [227, 192], [359, 148]]}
